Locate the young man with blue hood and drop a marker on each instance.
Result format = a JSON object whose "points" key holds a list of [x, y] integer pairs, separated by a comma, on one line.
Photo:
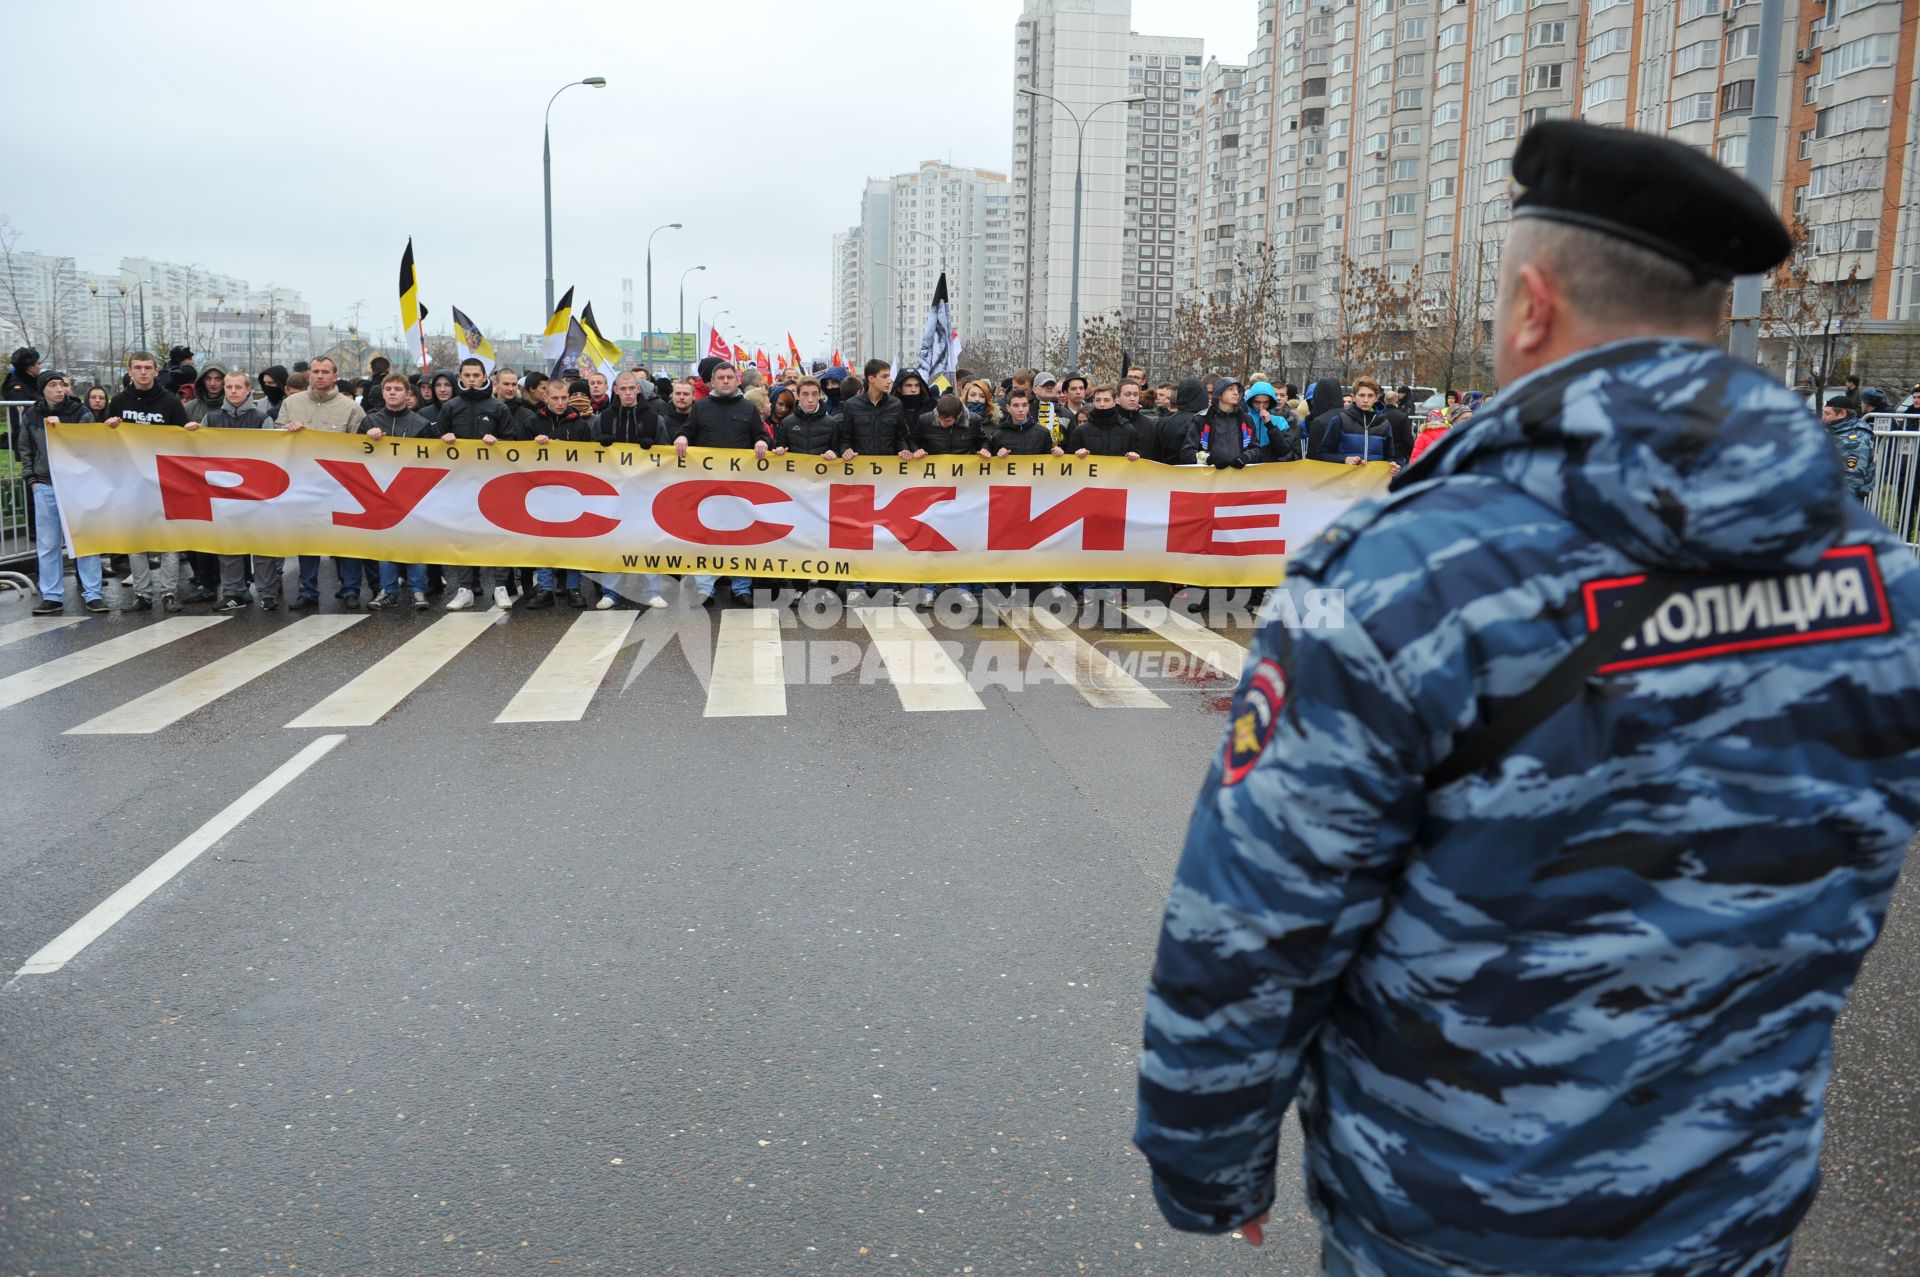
{"points": [[1281, 436], [1539, 878]]}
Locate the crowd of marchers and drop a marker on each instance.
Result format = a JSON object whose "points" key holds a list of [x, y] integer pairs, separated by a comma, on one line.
{"points": [[834, 412]]}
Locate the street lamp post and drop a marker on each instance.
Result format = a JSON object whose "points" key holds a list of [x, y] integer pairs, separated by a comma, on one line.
{"points": [[647, 342], [1079, 156], [699, 326], [546, 169], [680, 324]]}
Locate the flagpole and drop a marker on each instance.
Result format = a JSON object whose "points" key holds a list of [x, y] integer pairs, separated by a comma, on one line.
{"points": [[546, 169]]}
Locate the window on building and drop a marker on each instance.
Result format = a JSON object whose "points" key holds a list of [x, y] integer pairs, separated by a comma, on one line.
{"points": [[1694, 57], [1743, 43], [1405, 171], [1507, 46], [1848, 117], [1534, 114], [1857, 55], [1444, 150], [1547, 33], [1605, 43], [1397, 205], [1453, 35], [1856, 235], [1692, 107], [1611, 88], [1507, 86], [1449, 112], [1545, 76], [1736, 97], [1732, 151], [1848, 175], [1451, 73], [1503, 129], [1691, 9], [1409, 99]]}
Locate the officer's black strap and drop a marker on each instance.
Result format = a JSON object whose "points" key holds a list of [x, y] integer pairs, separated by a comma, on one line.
{"points": [[1489, 740]]}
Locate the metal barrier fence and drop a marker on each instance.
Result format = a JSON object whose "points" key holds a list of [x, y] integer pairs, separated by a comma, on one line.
{"points": [[16, 502], [1895, 495]]}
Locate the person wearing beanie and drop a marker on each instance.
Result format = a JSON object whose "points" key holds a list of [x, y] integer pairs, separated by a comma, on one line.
{"points": [[52, 408], [273, 388], [23, 373]]}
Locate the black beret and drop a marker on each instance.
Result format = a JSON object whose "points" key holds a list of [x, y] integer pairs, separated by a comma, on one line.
{"points": [[1662, 195]]}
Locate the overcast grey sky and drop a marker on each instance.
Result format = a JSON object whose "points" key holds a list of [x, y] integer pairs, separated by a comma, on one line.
{"points": [[303, 147]]}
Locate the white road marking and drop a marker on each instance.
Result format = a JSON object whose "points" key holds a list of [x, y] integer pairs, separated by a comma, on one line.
{"points": [[165, 706], [749, 677], [560, 690], [14, 631], [64, 947], [372, 693], [1100, 682], [1216, 650], [65, 669], [921, 671]]}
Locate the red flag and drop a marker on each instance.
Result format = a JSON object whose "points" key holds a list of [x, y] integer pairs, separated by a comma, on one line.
{"points": [[739, 357], [837, 361], [782, 363], [794, 350], [716, 347], [760, 362]]}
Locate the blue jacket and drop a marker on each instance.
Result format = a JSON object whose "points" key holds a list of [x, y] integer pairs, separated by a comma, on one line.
{"points": [[1854, 440], [1571, 1014]]}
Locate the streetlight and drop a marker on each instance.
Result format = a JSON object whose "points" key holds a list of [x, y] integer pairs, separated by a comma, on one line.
{"points": [[546, 169], [699, 327], [680, 325], [93, 287], [1079, 156], [670, 226]]}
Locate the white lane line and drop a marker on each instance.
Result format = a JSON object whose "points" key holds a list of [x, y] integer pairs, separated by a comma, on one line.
{"points": [[374, 691], [1100, 682], [65, 946], [14, 631], [1216, 650], [921, 671], [167, 705], [65, 669], [560, 690], [749, 677]]}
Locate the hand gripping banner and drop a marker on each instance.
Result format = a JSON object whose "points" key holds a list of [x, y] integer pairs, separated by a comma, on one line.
{"points": [[624, 509]]}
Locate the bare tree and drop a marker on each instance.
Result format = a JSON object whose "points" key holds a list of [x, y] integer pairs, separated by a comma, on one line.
{"points": [[1814, 316], [50, 323]]}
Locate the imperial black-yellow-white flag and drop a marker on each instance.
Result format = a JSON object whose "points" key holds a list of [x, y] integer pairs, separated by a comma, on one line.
{"points": [[938, 358], [553, 342], [470, 341], [412, 314]]}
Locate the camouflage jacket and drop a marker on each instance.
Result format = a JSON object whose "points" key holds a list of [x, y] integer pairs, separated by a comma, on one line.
{"points": [[1571, 1014], [1854, 438]]}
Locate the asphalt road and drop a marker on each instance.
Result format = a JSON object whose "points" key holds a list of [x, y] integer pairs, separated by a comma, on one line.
{"points": [[845, 989]]}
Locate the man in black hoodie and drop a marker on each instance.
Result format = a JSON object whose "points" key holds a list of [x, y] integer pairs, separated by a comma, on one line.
{"points": [[724, 419], [808, 429], [473, 412], [146, 402], [1105, 433], [273, 385], [1166, 439]]}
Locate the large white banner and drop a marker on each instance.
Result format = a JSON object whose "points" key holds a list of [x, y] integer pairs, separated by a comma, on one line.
{"points": [[622, 509]]}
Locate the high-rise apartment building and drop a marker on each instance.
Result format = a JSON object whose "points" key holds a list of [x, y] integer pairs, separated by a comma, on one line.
{"points": [[914, 226], [1381, 132], [1210, 214], [1166, 73]]}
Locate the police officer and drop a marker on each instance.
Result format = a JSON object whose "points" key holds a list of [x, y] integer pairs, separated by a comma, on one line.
{"points": [[1854, 438], [1539, 878]]}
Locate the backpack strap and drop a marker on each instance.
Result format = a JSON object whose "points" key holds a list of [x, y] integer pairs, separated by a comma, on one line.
{"points": [[1489, 740]]}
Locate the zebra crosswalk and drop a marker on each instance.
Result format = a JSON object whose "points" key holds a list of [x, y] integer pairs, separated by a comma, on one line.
{"points": [[749, 662]]}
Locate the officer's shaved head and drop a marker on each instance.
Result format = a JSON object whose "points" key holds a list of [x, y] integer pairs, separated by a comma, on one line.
{"points": [[1565, 288]]}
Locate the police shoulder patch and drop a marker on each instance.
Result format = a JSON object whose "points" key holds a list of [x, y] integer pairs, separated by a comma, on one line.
{"points": [[1255, 714], [1721, 613]]}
